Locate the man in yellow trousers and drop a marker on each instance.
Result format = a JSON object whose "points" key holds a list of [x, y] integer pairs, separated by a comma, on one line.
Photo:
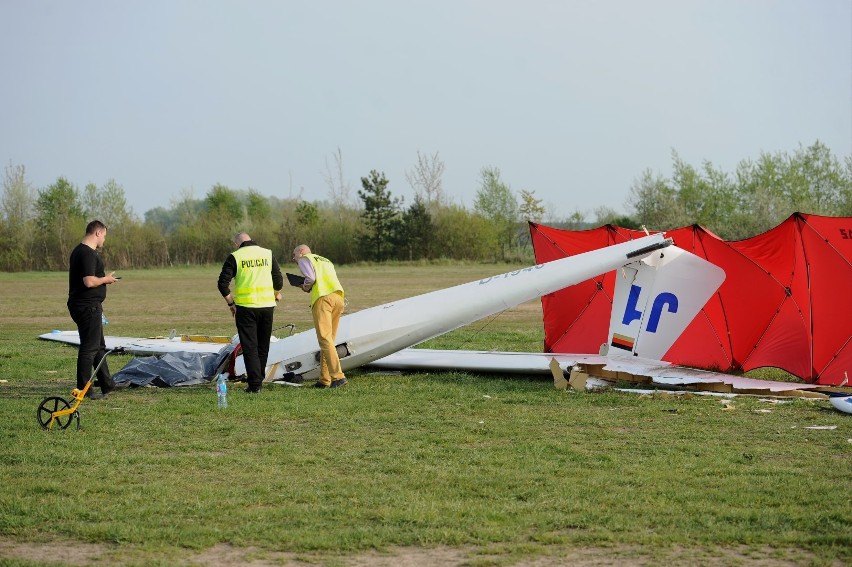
{"points": [[327, 307]]}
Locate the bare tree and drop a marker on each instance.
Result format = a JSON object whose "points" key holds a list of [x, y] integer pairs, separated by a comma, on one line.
{"points": [[425, 180], [339, 189], [16, 219], [18, 197]]}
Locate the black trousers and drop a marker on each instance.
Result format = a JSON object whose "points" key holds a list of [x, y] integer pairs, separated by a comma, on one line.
{"points": [[254, 325], [92, 346]]}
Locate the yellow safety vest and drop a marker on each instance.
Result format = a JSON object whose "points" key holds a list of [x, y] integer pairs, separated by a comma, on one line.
{"points": [[327, 281], [253, 282]]}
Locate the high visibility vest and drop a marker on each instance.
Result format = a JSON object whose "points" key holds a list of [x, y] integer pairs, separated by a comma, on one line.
{"points": [[253, 282], [327, 281]]}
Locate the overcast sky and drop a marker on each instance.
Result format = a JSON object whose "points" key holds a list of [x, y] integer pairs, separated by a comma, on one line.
{"points": [[570, 99]]}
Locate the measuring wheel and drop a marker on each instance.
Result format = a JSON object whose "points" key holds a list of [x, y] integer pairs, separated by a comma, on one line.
{"points": [[52, 405], [58, 411]]}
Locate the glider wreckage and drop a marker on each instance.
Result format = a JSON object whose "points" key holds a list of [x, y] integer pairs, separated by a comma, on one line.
{"points": [[660, 289]]}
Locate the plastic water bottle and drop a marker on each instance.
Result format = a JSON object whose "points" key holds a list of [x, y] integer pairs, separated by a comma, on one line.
{"points": [[222, 390], [104, 320]]}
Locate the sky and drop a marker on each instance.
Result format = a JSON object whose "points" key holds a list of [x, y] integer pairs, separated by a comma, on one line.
{"points": [[573, 100]]}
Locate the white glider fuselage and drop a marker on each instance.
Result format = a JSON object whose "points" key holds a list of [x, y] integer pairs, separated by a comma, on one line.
{"points": [[374, 333]]}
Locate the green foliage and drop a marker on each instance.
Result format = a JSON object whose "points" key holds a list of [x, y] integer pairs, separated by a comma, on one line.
{"points": [[258, 210], [845, 207], [495, 202], [531, 208], [42, 226], [134, 245], [224, 207], [13, 258], [463, 235], [224, 217], [290, 232], [60, 223], [328, 229], [190, 244], [107, 204], [381, 215], [705, 197], [341, 231], [307, 214], [757, 197], [187, 209], [655, 203], [415, 234], [626, 222], [161, 218], [577, 220], [606, 215]]}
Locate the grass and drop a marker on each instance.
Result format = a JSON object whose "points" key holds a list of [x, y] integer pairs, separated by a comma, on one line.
{"points": [[502, 469]]}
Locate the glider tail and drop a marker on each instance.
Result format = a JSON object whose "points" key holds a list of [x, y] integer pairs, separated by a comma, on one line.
{"points": [[655, 300]]}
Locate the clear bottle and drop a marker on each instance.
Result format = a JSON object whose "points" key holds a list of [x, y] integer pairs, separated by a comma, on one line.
{"points": [[222, 390], [104, 320]]}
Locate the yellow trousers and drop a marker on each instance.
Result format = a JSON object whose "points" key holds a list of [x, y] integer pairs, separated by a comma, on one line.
{"points": [[327, 311]]}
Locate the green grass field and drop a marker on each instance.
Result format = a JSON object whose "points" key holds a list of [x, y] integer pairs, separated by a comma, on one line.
{"points": [[396, 469]]}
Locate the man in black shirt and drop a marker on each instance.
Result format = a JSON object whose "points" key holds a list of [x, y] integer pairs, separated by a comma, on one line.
{"points": [[86, 292]]}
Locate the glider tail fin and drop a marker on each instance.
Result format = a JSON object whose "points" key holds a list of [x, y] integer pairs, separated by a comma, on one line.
{"points": [[656, 299]]}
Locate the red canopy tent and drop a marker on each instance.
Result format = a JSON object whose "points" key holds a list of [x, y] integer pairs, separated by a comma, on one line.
{"points": [[786, 300]]}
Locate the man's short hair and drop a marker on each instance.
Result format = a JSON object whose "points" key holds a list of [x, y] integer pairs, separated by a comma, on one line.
{"points": [[95, 226]]}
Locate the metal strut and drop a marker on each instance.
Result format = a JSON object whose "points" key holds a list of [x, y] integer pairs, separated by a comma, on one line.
{"points": [[659, 245]]}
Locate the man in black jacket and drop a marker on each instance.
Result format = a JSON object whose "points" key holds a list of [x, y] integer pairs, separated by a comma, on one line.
{"points": [[257, 284]]}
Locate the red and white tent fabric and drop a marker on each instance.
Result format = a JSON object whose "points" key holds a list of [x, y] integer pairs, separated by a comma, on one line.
{"points": [[786, 301]]}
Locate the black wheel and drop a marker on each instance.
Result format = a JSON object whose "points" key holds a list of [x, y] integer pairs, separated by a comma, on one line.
{"points": [[46, 409]]}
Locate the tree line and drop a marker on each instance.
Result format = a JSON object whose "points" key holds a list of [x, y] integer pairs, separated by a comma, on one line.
{"points": [[43, 225]]}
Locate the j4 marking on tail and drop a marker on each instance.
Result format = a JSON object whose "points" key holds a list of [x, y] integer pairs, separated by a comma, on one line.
{"points": [[663, 300]]}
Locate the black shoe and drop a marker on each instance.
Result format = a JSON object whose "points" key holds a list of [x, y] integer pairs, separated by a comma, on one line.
{"points": [[95, 395], [292, 379], [339, 382], [252, 390], [319, 384]]}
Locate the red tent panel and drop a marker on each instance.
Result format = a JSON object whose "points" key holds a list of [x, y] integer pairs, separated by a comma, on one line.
{"points": [[827, 242], [589, 328], [786, 300], [576, 319]]}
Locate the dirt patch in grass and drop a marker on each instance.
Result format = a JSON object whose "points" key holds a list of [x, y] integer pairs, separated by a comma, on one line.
{"points": [[75, 553]]}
